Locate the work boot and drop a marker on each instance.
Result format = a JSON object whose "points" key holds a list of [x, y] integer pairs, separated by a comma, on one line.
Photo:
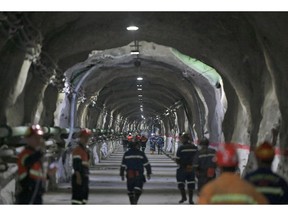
{"points": [[137, 196], [183, 194], [131, 198], [190, 196]]}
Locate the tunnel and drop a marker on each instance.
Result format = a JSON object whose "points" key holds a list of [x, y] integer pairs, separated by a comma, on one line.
{"points": [[219, 75]]}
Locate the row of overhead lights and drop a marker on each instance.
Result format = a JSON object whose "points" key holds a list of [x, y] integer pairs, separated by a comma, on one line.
{"points": [[140, 96], [139, 79]]}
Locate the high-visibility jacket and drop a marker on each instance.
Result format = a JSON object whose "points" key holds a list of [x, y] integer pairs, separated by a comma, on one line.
{"points": [[185, 155], [205, 163], [81, 159], [130, 138], [229, 188], [271, 185], [135, 160], [160, 141], [30, 165]]}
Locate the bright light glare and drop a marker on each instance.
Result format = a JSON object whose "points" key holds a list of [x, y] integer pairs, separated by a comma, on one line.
{"points": [[134, 53], [139, 78], [132, 28]]}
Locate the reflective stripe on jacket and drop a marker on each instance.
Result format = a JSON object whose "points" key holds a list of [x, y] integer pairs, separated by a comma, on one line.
{"points": [[81, 158], [30, 165]]}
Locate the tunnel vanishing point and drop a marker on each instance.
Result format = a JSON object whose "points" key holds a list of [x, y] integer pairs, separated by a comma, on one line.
{"points": [[219, 75]]}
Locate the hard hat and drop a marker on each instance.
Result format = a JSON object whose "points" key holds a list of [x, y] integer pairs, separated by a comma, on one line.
{"points": [[130, 134], [226, 155], [265, 152], [35, 130], [85, 133], [185, 136], [204, 142]]}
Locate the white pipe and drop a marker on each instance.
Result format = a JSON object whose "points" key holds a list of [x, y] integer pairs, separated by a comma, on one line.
{"points": [[73, 104]]}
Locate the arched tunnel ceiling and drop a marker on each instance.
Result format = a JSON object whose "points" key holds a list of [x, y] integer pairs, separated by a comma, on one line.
{"points": [[246, 48], [165, 68], [99, 31]]}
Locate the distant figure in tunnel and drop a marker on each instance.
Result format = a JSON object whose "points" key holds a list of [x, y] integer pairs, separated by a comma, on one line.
{"points": [[205, 164], [31, 176], [160, 144], [125, 143], [133, 163], [143, 142], [274, 187], [185, 157], [80, 177], [229, 188], [129, 139], [152, 142]]}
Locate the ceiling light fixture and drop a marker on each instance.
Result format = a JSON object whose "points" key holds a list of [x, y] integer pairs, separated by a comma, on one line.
{"points": [[132, 28], [135, 52], [139, 89], [139, 78]]}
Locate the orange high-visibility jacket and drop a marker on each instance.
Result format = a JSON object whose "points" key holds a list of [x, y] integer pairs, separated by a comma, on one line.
{"points": [[229, 188], [129, 138], [81, 159], [30, 165]]}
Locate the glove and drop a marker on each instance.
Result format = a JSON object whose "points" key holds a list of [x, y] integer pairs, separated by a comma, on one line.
{"points": [[148, 177], [122, 178]]}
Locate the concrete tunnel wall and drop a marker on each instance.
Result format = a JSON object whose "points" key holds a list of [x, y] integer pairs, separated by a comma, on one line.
{"points": [[162, 53], [248, 50]]}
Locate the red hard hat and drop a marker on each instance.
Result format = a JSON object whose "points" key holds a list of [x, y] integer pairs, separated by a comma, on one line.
{"points": [[85, 132], [35, 130], [265, 152], [226, 155]]}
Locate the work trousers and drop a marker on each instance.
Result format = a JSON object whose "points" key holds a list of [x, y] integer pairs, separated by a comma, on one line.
{"points": [[80, 192]]}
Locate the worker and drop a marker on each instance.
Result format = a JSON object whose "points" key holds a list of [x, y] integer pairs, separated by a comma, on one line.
{"points": [[143, 142], [152, 142], [133, 163], [125, 143], [138, 138], [271, 185], [129, 139], [160, 144], [80, 178], [185, 157], [229, 188], [31, 176], [205, 164]]}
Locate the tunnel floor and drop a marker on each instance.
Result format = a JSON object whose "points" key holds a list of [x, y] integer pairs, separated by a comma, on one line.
{"points": [[106, 186]]}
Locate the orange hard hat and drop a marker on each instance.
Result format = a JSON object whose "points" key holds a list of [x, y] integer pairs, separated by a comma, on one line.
{"points": [[226, 155], [85, 132], [35, 130], [265, 151]]}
